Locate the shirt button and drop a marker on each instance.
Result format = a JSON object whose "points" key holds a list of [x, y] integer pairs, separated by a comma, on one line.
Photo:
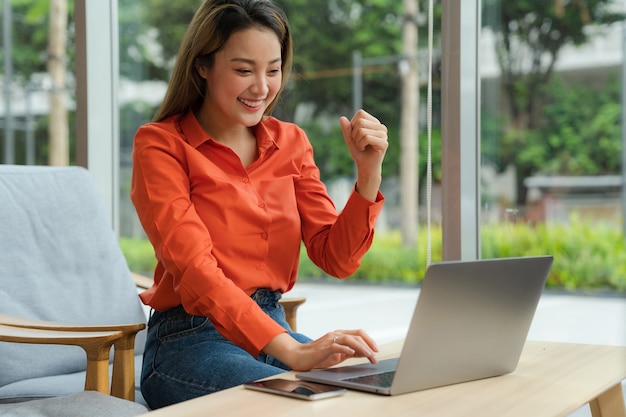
{"points": [[245, 180], [264, 236], [262, 204], [260, 267]]}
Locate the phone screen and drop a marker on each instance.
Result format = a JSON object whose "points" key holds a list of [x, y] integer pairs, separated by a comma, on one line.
{"points": [[296, 389]]}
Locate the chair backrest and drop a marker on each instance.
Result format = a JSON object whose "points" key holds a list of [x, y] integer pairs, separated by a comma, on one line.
{"points": [[59, 261]]}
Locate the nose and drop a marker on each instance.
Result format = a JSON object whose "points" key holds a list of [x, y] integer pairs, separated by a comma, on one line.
{"points": [[260, 86]]}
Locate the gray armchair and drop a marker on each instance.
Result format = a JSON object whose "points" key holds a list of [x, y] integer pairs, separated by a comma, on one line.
{"points": [[66, 293], [66, 297]]}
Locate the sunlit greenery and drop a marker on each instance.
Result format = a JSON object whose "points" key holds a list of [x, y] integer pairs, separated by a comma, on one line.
{"points": [[588, 256]]}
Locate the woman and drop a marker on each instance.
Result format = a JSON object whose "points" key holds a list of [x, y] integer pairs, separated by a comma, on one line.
{"points": [[226, 194]]}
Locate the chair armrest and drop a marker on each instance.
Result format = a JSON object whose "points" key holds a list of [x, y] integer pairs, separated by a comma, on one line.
{"points": [[141, 281], [14, 321], [291, 307], [96, 344], [123, 380]]}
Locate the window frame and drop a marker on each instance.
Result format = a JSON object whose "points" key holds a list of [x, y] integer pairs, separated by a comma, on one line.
{"points": [[97, 108]]}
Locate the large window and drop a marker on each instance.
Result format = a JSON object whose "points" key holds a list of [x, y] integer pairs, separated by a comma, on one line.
{"points": [[530, 116], [552, 135], [38, 83]]}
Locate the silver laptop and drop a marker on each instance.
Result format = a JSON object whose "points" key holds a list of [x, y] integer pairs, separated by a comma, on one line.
{"points": [[470, 322]]}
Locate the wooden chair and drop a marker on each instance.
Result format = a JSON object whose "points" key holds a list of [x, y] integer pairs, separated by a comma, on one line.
{"points": [[65, 284], [95, 340]]}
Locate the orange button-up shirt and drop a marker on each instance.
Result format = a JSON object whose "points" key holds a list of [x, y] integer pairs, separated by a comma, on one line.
{"points": [[221, 230]]}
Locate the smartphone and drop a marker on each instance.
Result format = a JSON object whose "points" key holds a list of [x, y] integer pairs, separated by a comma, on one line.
{"points": [[296, 389]]}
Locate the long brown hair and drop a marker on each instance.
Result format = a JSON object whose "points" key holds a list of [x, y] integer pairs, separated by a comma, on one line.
{"points": [[211, 27]]}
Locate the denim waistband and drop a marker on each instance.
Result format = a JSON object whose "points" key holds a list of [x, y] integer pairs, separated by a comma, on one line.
{"points": [[264, 296]]}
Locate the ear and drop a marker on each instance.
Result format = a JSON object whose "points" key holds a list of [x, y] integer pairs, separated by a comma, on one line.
{"points": [[202, 70]]}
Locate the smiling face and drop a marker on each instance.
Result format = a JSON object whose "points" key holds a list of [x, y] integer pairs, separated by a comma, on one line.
{"points": [[242, 82]]}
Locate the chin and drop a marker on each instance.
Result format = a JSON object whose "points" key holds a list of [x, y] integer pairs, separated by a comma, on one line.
{"points": [[253, 121]]}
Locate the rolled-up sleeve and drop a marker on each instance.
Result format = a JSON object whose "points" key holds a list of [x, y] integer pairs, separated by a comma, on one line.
{"points": [[335, 242]]}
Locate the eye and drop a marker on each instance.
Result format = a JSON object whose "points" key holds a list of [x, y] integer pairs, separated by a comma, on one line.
{"points": [[244, 71], [274, 71]]}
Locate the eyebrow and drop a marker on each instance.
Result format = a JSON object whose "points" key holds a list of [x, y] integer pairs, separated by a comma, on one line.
{"points": [[253, 62]]}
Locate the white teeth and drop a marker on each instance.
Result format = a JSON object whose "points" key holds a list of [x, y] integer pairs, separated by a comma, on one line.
{"points": [[251, 103]]}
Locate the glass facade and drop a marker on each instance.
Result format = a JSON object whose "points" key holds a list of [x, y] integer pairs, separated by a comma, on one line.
{"points": [[551, 136], [529, 104], [551, 131]]}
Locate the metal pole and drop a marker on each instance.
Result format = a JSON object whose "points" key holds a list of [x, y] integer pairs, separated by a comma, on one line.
{"points": [[357, 89], [460, 124], [409, 129], [30, 127], [357, 81], [9, 139]]}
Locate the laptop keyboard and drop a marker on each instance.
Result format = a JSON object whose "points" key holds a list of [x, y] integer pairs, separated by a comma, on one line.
{"points": [[382, 379]]}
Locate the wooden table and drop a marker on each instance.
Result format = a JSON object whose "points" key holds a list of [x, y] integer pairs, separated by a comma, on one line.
{"points": [[552, 379]]}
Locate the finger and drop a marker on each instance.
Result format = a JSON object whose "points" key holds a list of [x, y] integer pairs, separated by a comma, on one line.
{"points": [[362, 344], [360, 333], [364, 120], [346, 129], [367, 130], [339, 346], [373, 139], [371, 343], [368, 339], [363, 131], [363, 115]]}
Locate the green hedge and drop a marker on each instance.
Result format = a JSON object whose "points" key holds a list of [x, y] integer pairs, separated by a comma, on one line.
{"points": [[587, 256], [139, 255]]}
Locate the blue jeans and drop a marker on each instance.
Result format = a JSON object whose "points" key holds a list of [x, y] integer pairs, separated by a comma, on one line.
{"points": [[186, 357]]}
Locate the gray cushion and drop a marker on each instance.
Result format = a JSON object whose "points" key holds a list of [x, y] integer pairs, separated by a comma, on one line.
{"points": [[86, 403], [57, 385], [59, 261]]}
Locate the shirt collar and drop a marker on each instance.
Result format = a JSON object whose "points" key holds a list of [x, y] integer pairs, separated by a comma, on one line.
{"points": [[265, 132]]}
